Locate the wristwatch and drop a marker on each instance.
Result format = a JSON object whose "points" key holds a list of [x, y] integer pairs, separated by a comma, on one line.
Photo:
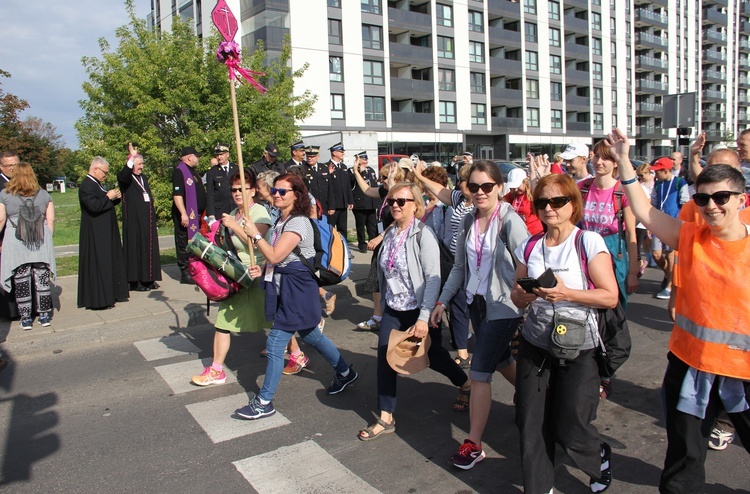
{"points": [[257, 238]]}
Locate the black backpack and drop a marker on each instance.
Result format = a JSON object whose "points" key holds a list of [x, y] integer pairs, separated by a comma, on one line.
{"points": [[30, 227]]}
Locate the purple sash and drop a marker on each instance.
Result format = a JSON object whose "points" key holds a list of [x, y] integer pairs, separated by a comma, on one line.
{"points": [[191, 200]]}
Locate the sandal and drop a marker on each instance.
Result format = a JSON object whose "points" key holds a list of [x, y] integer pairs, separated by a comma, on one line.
{"points": [[460, 405], [387, 429], [464, 363], [605, 388]]}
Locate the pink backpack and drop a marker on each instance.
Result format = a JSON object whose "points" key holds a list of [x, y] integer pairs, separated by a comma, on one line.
{"points": [[210, 280]]}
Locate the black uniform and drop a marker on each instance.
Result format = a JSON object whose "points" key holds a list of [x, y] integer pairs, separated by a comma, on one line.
{"points": [[365, 207], [340, 193], [218, 193], [8, 307], [292, 163], [262, 165], [316, 180]]}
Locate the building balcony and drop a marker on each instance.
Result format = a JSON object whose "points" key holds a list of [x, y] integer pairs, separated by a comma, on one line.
{"points": [[507, 124], [419, 56], [578, 126], [577, 103], [714, 134], [745, 8], [412, 121], [400, 21], [663, 3], [744, 63], [744, 82], [502, 96], [714, 57], [713, 116], [503, 37], [745, 27], [576, 51], [504, 8], [742, 98], [645, 63], [577, 77], [651, 132], [714, 96], [743, 117], [403, 88], [723, 3], [715, 76], [645, 17], [650, 87], [713, 16], [649, 109], [576, 25], [581, 4], [711, 36], [505, 66], [648, 40], [744, 45]]}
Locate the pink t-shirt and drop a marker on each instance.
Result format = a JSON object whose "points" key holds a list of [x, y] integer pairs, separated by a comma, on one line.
{"points": [[599, 210]]}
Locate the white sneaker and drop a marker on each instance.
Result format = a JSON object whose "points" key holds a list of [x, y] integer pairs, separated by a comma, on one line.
{"points": [[371, 325], [720, 439], [322, 325], [664, 294]]}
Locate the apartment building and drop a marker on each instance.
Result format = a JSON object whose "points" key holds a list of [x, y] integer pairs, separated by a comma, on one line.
{"points": [[502, 77]]}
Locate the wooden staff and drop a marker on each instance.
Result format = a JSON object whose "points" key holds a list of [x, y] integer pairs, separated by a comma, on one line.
{"points": [[238, 145]]}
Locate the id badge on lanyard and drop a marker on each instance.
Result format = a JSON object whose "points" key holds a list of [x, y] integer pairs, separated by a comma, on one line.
{"points": [[269, 273], [394, 284]]}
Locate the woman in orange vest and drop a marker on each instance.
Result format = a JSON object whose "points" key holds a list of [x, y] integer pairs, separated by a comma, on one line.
{"points": [[709, 350]]}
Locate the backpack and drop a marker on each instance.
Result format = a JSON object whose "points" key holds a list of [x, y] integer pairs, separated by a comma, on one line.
{"points": [[332, 264], [30, 227], [215, 284]]}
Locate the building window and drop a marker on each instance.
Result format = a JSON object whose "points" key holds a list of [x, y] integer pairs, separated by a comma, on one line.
{"points": [[554, 10], [614, 97], [614, 74], [557, 119], [423, 107], [596, 46], [447, 112], [373, 73], [554, 37], [336, 69], [598, 96], [446, 80], [596, 21], [598, 121], [532, 60], [334, 3], [478, 114], [476, 52], [477, 83], [530, 30], [374, 108], [444, 47], [555, 64], [532, 117], [337, 106], [529, 6], [334, 32], [444, 15], [555, 89], [476, 21], [597, 71], [614, 121], [372, 37], [612, 26], [371, 6], [532, 88]]}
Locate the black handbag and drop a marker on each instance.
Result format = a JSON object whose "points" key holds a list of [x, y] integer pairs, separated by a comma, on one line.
{"points": [[614, 340]]}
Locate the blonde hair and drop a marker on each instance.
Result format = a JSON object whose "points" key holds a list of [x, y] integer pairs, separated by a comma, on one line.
{"points": [[416, 194], [464, 172]]}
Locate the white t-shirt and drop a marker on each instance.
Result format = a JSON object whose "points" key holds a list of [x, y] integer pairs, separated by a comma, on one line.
{"points": [[302, 227]]}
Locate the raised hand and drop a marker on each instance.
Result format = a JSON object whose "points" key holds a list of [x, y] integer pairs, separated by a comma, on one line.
{"points": [[697, 146], [618, 144]]}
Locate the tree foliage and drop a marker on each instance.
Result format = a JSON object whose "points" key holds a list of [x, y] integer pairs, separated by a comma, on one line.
{"points": [[165, 90]]}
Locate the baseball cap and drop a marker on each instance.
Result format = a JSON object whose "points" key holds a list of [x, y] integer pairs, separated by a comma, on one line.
{"points": [[663, 163], [272, 149], [574, 150], [516, 178], [189, 150]]}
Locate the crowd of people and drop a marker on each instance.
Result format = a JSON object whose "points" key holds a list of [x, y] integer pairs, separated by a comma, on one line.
{"points": [[517, 271]]}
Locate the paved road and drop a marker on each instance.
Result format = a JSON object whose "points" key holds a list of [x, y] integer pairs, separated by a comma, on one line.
{"points": [[166, 242], [101, 402]]}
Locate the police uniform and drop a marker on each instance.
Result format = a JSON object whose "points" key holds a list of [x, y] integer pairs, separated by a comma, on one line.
{"points": [[297, 145], [340, 191], [218, 194], [316, 178], [262, 165], [364, 205]]}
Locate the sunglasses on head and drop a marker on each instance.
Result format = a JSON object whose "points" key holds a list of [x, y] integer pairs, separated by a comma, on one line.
{"points": [[486, 187], [401, 201], [237, 189], [282, 192], [720, 198], [555, 202]]}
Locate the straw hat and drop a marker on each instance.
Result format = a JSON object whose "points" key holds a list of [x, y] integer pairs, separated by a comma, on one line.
{"points": [[407, 354]]}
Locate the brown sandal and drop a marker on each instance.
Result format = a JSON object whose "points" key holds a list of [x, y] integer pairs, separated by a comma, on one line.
{"points": [[460, 405], [387, 429]]}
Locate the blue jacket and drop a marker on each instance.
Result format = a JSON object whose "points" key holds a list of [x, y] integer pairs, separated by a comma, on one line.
{"points": [[294, 305]]}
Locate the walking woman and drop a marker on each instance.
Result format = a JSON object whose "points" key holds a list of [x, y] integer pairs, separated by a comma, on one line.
{"points": [[556, 400], [519, 198], [490, 233], [409, 277], [28, 260], [291, 293]]}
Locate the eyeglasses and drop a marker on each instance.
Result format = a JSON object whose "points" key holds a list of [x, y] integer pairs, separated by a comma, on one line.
{"points": [[237, 189], [555, 202], [401, 201], [486, 187], [282, 192], [720, 198], [106, 172], [10, 165]]}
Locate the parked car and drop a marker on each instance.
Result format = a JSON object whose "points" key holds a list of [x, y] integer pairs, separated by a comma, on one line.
{"points": [[387, 158], [71, 185], [505, 168]]}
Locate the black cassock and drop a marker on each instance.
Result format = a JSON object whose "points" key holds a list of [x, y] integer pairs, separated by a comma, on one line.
{"points": [[8, 307], [101, 269], [140, 242]]}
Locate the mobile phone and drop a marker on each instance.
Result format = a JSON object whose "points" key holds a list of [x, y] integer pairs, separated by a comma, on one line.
{"points": [[528, 284], [414, 159], [547, 279]]}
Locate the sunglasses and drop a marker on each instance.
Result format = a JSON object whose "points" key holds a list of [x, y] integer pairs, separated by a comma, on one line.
{"points": [[486, 187], [401, 201], [237, 189], [555, 202], [282, 192], [720, 198]]}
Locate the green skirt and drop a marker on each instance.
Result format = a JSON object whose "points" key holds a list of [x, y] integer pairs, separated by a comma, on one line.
{"points": [[244, 312]]}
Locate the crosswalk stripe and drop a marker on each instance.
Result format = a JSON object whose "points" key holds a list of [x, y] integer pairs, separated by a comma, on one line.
{"points": [[313, 470], [166, 347], [178, 375]]}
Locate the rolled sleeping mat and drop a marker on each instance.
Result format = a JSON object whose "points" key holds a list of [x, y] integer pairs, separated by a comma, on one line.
{"points": [[232, 267]]}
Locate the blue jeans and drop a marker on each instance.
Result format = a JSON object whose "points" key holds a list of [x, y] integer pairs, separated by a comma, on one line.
{"points": [[277, 342]]}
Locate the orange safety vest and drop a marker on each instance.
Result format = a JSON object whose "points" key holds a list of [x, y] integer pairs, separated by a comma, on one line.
{"points": [[712, 323]]}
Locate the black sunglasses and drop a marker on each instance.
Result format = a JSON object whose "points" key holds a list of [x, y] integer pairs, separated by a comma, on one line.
{"points": [[720, 198], [486, 187], [237, 189], [555, 202], [401, 201], [282, 192]]}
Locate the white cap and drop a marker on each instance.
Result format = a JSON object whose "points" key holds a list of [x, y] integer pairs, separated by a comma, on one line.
{"points": [[574, 150], [516, 178]]}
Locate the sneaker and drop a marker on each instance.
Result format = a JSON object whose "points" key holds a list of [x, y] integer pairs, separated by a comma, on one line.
{"points": [[296, 364], [720, 439], [330, 303], [664, 283], [209, 376], [255, 410], [26, 322], [45, 320], [322, 325], [469, 454], [664, 294], [370, 325], [340, 382], [602, 483]]}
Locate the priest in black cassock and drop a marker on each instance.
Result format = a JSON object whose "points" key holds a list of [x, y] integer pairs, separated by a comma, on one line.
{"points": [[101, 269], [8, 162], [140, 241]]}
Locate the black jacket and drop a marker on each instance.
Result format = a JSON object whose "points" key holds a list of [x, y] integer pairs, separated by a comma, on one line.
{"points": [[218, 194], [316, 179], [262, 165], [340, 187], [362, 201]]}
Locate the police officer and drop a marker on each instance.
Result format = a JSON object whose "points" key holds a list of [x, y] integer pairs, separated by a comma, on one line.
{"points": [[218, 196], [364, 206], [298, 155], [340, 189], [268, 161], [316, 177]]}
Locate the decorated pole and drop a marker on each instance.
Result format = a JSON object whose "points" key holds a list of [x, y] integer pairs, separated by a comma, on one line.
{"points": [[229, 54]]}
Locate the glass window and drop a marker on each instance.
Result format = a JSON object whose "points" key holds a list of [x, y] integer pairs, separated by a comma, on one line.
{"points": [[529, 6], [612, 26], [447, 112], [532, 60], [596, 21], [596, 46], [371, 6], [478, 114], [444, 47], [336, 69], [554, 10], [532, 88], [597, 71], [555, 91], [372, 37], [337, 106], [614, 96], [373, 72], [476, 21], [444, 15], [446, 79], [530, 30], [557, 119], [614, 74], [598, 121], [334, 32], [598, 96], [374, 108], [477, 83], [334, 3], [555, 64], [532, 117], [476, 52], [554, 37]]}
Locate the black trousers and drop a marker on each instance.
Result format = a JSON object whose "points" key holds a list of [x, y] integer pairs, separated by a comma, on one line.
{"points": [[365, 219], [180, 243], [339, 219], [556, 404], [687, 435]]}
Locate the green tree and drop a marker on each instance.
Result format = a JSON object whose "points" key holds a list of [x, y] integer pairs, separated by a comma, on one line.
{"points": [[165, 90]]}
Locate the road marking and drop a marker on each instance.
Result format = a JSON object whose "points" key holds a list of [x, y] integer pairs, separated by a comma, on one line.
{"points": [[313, 470], [166, 347], [178, 375], [216, 417]]}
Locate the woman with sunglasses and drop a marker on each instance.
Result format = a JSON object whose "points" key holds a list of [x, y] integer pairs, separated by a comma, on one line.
{"points": [[291, 294], [485, 271], [708, 366], [409, 276], [244, 312], [556, 400]]}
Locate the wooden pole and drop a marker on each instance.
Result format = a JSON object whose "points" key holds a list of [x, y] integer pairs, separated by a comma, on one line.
{"points": [[238, 146]]}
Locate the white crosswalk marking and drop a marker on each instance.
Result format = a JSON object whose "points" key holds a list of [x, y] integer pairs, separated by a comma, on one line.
{"points": [[314, 471], [178, 375], [166, 347]]}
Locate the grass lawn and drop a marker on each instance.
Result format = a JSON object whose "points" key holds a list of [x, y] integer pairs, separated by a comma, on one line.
{"points": [[69, 264]]}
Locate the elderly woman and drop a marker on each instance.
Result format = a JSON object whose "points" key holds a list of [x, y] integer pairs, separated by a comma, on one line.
{"points": [[409, 276], [557, 397], [264, 182]]}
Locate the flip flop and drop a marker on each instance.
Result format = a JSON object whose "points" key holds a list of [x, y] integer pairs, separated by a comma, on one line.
{"points": [[460, 405], [387, 429]]}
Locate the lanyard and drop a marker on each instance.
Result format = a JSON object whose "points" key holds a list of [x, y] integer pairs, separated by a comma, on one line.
{"points": [[97, 183], [480, 247], [666, 196], [518, 202], [140, 182], [393, 251], [382, 207]]}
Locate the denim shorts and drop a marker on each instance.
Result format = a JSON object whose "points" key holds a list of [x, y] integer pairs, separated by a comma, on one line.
{"points": [[492, 347], [657, 245]]}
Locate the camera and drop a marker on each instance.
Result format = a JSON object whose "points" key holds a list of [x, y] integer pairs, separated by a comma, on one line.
{"points": [[414, 159]]}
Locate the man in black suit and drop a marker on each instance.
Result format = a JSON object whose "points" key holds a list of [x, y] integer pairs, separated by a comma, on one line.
{"points": [[364, 206], [298, 155], [268, 161], [218, 178], [340, 189], [8, 309], [316, 177]]}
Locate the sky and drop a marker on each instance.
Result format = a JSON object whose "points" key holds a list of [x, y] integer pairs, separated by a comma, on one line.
{"points": [[41, 46]]}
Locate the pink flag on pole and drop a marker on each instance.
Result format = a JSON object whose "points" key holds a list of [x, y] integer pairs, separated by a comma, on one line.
{"points": [[224, 20]]}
